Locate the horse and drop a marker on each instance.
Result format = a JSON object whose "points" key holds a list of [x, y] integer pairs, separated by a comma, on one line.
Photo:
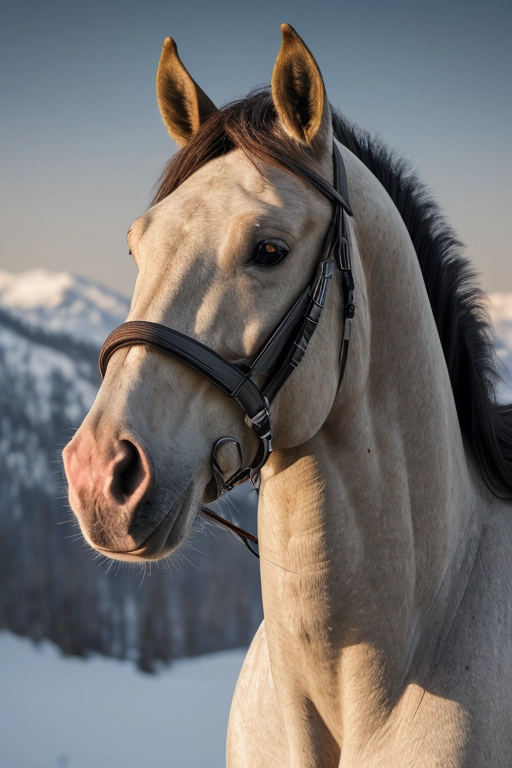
{"points": [[384, 516]]}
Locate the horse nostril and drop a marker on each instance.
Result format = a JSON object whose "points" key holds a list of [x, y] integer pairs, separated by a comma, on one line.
{"points": [[129, 472]]}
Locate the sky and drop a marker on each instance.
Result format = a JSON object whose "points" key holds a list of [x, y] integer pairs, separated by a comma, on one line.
{"points": [[83, 143]]}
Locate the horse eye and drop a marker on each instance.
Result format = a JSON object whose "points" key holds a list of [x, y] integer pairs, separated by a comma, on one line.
{"points": [[268, 253]]}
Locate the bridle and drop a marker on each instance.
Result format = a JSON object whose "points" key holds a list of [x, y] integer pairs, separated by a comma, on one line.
{"points": [[280, 354]]}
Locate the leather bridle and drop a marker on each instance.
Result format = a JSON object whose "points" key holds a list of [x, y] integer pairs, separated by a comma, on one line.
{"points": [[280, 354]]}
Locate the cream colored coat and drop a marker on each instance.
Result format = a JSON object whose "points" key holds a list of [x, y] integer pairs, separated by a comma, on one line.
{"points": [[385, 561]]}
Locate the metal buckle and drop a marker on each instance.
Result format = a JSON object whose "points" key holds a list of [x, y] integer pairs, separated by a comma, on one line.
{"points": [[261, 424], [260, 417]]}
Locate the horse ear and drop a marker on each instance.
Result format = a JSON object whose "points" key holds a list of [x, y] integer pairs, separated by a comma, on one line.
{"points": [[183, 105], [298, 93]]}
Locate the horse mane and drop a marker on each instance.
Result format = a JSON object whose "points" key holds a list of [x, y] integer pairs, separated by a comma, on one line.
{"points": [[457, 303]]}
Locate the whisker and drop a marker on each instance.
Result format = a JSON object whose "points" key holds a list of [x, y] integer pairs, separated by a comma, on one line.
{"points": [[189, 545], [190, 561]]}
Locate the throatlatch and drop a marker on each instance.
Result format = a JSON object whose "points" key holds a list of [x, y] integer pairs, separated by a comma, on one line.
{"points": [[279, 355]]}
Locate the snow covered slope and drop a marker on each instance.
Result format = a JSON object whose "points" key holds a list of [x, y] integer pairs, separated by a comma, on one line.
{"points": [[101, 713], [61, 303]]}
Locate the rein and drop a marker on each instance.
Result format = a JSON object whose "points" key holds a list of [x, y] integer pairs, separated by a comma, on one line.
{"points": [[280, 354]]}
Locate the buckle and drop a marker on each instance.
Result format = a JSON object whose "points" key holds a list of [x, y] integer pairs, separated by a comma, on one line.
{"points": [[348, 278], [258, 421], [350, 310]]}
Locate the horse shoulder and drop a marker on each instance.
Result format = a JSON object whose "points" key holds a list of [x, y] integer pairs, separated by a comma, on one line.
{"points": [[478, 665], [461, 714]]}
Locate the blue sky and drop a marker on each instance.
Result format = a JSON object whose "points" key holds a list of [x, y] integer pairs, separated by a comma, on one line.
{"points": [[83, 143]]}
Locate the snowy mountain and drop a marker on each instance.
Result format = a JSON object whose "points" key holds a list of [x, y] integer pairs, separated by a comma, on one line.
{"points": [[51, 328], [59, 303], [500, 310]]}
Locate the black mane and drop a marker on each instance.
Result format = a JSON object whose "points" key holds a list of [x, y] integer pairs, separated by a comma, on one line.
{"points": [[457, 303]]}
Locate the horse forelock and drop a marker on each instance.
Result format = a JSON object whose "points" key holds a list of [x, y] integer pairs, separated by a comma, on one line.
{"points": [[248, 124]]}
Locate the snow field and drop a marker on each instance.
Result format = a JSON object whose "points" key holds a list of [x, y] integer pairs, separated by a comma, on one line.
{"points": [[58, 712]]}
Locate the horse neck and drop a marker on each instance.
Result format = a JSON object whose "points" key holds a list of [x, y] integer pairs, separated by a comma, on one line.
{"points": [[364, 525]]}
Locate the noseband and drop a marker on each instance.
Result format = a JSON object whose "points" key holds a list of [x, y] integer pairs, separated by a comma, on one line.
{"points": [[280, 354]]}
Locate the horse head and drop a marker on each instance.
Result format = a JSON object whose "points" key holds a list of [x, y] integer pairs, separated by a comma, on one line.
{"points": [[230, 243]]}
